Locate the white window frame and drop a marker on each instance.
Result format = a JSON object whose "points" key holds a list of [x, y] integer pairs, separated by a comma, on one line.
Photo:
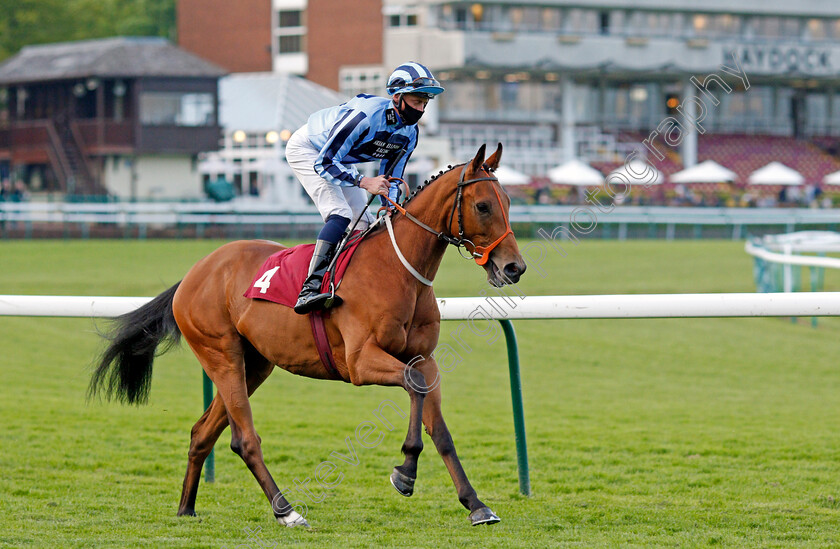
{"points": [[352, 83]]}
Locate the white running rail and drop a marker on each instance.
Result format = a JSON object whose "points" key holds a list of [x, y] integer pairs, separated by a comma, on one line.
{"points": [[513, 307]]}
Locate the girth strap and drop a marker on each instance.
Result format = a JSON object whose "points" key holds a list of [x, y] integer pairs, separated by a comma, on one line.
{"points": [[322, 343]]}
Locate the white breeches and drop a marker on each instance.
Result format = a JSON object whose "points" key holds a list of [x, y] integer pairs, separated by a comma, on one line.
{"points": [[330, 199]]}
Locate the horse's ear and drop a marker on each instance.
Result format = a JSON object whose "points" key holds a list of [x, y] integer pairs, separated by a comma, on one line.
{"points": [[495, 158], [476, 163]]}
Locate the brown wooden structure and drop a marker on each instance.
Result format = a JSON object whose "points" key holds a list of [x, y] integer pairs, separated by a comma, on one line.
{"points": [[66, 108]]}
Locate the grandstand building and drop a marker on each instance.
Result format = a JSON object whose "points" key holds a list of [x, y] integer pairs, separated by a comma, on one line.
{"points": [[117, 117], [594, 79]]}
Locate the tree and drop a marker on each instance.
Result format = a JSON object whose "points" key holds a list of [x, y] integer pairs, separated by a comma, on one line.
{"points": [[26, 22], [32, 22]]}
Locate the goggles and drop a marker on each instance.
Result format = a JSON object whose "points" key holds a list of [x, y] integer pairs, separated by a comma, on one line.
{"points": [[422, 82], [400, 86]]}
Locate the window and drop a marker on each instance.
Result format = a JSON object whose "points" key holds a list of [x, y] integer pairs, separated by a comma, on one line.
{"points": [[355, 80], [531, 19], [770, 27], [516, 15], [791, 27], [290, 18], [580, 21], [700, 24], [401, 16], [816, 29], [290, 31], [728, 25], [177, 109], [550, 19], [460, 17], [290, 44]]}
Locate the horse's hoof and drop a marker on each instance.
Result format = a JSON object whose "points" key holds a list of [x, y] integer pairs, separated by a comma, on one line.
{"points": [[403, 483], [293, 520], [483, 516], [187, 513]]}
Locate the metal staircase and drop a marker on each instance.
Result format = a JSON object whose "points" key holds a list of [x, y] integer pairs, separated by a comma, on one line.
{"points": [[80, 178]]}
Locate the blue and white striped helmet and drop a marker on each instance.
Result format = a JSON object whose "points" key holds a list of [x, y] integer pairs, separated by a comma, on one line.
{"points": [[413, 78]]}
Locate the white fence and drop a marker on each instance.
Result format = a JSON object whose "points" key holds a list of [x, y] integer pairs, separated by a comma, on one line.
{"points": [[503, 309], [173, 214], [508, 308], [774, 252]]}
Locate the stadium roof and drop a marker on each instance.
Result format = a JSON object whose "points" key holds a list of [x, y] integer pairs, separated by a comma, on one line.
{"points": [[120, 57], [803, 8], [256, 102]]}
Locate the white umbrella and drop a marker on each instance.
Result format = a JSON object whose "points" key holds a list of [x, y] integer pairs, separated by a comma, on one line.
{"points": [[636, 173], [708, 171], [832, 178], [509, 176], [575, 172], [775, 173]]}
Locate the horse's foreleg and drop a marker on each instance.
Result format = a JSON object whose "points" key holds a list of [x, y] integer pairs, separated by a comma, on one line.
{"points": [[206, 432], [404, 475], [437, 430], [376, 367]]}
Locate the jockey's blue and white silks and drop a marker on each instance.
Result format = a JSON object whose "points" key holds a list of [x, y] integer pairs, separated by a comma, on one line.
{"points": [[364, 129]]}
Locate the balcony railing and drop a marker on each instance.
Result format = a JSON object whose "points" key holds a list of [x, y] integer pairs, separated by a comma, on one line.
{"points": [[33, 135], [106, 137]]}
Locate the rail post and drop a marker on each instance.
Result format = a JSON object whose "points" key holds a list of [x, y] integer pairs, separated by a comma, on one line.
{"points": [[518, 411], [210, 462]]}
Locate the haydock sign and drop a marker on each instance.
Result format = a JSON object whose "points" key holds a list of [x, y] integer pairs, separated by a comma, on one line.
{"points": [[770, 59]]}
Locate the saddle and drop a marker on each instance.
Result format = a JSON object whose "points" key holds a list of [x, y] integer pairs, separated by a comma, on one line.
{"points": [[281, 275]]}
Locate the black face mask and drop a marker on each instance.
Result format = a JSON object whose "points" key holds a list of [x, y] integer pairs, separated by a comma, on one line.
{"points": [[409, 114]]}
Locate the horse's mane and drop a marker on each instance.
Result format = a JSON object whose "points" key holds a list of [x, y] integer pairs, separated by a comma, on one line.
{"points": [[434, 178]]}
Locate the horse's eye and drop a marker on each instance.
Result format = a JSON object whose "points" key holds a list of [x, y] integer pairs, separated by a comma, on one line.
{"points": [[483, 207]]}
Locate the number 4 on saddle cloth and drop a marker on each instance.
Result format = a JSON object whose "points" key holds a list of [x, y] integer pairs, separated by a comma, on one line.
{"points": [[281, 277]]}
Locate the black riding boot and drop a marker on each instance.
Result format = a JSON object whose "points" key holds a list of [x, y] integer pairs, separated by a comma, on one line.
{"points": [[310, 297]]}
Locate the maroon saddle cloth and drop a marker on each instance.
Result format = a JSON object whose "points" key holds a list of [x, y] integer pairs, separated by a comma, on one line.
{"points": [[280, 279], [282, 275]]}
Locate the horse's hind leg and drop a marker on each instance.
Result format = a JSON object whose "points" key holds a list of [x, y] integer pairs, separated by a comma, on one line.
{"points": [[208, 429], [222, 359], [204, 435]]}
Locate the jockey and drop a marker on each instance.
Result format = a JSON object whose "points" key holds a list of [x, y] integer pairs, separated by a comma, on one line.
{"points": [[322, 153]]}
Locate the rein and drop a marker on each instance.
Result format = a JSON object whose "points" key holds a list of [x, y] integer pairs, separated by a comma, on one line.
{"points": [[480, 254]]}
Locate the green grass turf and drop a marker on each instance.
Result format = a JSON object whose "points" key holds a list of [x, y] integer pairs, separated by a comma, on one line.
{"points": [[641, 432]]}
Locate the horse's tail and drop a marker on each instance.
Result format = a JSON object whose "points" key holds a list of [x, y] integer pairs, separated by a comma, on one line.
{"points": [[124, 370]]}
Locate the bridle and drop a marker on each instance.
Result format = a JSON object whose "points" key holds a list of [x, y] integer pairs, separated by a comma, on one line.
{"points": [[480, 254]]}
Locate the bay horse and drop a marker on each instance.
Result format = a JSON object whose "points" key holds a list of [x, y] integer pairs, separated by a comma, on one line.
{"points": [[374, 334]]}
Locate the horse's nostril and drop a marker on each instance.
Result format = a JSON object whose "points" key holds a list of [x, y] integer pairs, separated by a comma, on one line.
{"points": [[512, 271]]}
